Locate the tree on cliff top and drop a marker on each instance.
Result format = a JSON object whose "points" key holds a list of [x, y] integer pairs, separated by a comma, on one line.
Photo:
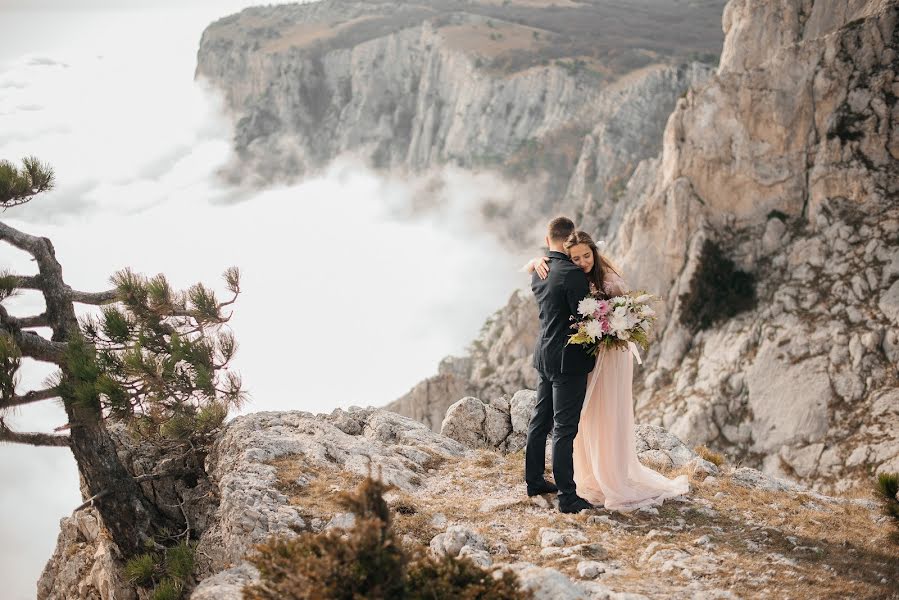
{"points": [[154, 358]]}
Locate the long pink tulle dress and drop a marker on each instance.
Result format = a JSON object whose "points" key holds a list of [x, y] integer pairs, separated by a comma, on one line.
{"points": [[606, 469]]}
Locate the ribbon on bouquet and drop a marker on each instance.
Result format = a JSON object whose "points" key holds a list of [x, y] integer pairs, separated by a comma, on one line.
{"points": [[635, 352]]}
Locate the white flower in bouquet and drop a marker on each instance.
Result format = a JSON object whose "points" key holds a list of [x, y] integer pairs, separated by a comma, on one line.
{"points": [[593, 329], [587, 306], [632, 320], [647, 311], [618, 320]]}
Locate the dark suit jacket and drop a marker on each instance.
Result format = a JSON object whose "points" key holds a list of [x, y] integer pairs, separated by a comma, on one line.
{"points": [[557, 299]]}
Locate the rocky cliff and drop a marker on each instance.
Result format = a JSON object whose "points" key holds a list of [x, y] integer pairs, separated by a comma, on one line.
{"points": [[775, 193], [738, 533], [521, 87]]}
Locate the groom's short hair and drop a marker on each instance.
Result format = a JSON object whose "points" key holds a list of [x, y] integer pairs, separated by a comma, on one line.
{"points": [[560, 228]]}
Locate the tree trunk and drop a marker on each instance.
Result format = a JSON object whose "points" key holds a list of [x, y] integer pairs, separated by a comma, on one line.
{"points": [[124, 509], [126, 512]]}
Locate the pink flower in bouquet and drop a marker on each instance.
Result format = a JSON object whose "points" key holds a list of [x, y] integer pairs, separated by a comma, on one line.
{"points": [[606, 328], [603, 308]]}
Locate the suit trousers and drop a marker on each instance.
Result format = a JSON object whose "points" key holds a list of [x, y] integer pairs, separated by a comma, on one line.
{"points": [[560, 398]]}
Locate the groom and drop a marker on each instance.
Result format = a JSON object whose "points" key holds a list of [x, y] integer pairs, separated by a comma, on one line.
{"points": [[562, 371]]}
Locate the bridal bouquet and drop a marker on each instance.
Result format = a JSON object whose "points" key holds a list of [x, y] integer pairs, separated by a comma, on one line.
{"points": [[619, 322]]}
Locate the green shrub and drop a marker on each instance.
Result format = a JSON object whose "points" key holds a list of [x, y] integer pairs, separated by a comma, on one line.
{"points": [[179, 561], [429, 578], [173, 565], [718, 290], [168, 589], [140, 569], [887, 488]]}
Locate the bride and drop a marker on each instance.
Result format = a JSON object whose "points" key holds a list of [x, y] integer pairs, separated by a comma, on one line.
{"points": [[606, 469]]}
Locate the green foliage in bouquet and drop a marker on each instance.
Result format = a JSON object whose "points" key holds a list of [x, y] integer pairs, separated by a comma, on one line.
{"points": [[368, 562]]}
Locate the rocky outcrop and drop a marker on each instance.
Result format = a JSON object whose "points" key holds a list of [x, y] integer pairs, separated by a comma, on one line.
{"points": [[797, 184], [411, 87], [786, 164], [278, 473], [427, 402], [502, 425], [86, 563]]}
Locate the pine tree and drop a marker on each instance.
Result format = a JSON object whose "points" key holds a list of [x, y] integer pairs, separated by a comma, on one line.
{"points": [[154, 358]]}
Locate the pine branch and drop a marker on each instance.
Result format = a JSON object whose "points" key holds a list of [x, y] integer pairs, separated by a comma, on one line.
{"points": [[29, 397], [90, 501], [30, 343], [28, 282], [95, 298], [18, 186], [31, 438], [41, 320]]}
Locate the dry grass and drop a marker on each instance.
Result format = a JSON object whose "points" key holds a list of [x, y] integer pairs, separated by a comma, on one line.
{"points": [[836, 550], [304, 34], [764, 543], [494, 37], [715, 458], [310, 487], [531, 3]]}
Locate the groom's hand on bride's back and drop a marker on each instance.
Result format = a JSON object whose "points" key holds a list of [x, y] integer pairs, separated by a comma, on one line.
{"points": [[540, 265]]}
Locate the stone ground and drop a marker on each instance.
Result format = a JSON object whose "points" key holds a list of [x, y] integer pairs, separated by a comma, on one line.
{"points": [[738, 535]]}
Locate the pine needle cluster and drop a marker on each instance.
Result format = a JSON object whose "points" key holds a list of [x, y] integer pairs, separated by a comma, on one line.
{"points": [[158, 359], [19, 185], [166, 572]]}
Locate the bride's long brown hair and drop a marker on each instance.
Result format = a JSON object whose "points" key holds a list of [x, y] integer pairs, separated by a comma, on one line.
{"points": [[600, 264]]}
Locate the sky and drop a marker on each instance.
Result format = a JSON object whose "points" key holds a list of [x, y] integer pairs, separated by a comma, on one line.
{"points": [[346, 298]]}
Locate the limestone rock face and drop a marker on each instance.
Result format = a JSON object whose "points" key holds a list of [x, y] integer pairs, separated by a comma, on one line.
{"points": [[786, 160], [352, 442], [84, 564], [427, 401], [410, 88]]}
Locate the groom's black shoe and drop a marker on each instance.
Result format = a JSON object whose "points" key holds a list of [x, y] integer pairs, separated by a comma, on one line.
{"points": [[575, 505], [542, 488]]}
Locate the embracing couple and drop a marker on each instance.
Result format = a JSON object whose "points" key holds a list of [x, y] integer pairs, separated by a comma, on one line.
{"points": [[586, 401]]}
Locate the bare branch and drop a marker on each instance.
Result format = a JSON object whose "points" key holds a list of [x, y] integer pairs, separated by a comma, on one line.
{"points": [[90, 501], [41, 320], [32, 438], [36, 282], [29, 397], [29, 282], [96, 298], [29, 342]]}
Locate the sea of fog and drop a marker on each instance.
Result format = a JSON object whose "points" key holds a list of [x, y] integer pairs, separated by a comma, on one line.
{"points": [[347, 299]]}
